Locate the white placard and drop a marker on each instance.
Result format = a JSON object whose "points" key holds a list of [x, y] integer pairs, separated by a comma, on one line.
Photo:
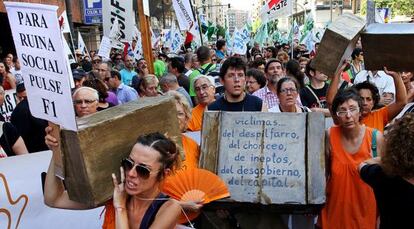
{"points": [[105, 47], [123, 11], [184, 14], [9, 104], [20, 182], [39, 46]]}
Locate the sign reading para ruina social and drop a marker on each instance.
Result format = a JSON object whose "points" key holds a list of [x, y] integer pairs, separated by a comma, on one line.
{"points": [[266, 158], [39, 46], [123, 11]]}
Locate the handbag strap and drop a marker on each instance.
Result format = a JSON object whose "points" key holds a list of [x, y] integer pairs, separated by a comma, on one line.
{"points": [[316, 97], [374, 143]]}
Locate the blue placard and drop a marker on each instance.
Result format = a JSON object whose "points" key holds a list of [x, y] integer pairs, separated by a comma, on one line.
{"points": [[93, 11]]}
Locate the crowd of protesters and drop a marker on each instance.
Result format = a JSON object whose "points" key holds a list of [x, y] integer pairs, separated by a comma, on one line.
{"points": [[273, 78]]}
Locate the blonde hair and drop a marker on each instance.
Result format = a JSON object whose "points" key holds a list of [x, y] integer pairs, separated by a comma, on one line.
{"points": [[180, 99]]}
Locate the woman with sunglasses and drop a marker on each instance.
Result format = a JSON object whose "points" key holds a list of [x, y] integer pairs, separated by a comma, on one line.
{"points": [[350, 203], [137, 200], [287, 93]]}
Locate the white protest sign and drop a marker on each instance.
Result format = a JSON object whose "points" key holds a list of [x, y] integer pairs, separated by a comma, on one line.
{"points": [[121, 10], [9, 104], [105, 47], [21, 197], [39, 46], [274, 9]]}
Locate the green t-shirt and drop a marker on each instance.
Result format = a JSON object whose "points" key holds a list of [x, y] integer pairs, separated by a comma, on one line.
{"points": [[196, 73], [160, 68]]}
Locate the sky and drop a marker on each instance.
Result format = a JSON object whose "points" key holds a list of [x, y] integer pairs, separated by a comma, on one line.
{"points": [[239, 4]]}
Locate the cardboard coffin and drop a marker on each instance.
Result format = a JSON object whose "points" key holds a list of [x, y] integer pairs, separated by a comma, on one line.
{"points": [[95, 151], [390, 45], [337, 43], [266, 158]]}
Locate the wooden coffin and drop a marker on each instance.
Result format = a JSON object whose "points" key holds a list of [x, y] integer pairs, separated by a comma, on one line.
{"points": [[267, 158], [103, 139], [390, 45], [337, 43]]}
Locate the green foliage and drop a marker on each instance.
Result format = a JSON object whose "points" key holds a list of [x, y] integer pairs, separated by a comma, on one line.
{"points": [[221, 31], [398, 7]]}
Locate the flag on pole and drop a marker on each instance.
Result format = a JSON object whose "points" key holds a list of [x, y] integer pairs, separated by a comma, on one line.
{"points": [[115, 35], [82, 46], [261, 34], [64, 23], [274, 9]]}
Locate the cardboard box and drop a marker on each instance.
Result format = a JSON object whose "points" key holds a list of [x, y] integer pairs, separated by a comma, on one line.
{"points": [[337, 43], [390, 45], [103, 139]]}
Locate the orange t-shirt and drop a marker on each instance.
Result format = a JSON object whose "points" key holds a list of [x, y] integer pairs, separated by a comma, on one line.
{"points": [[350, 202], [191, 152], [196, 118], [377, 119]]}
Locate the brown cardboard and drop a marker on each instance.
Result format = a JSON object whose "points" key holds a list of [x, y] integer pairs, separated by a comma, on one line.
{"points": [[103, 139], [337, 43], [390, 45]]}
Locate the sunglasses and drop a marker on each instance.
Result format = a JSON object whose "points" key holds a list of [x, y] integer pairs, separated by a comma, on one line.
{"points": [[142, 171]]}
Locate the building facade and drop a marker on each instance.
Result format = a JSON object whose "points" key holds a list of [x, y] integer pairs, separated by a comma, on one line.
{"points": [[237, 19]]}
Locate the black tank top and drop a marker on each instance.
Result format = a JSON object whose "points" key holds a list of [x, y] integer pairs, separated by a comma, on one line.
{"points": [[152, 211], [249, 103]]}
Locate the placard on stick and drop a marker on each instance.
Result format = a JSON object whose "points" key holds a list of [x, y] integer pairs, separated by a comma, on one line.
{"points": [[39, 46], [265, 157]]}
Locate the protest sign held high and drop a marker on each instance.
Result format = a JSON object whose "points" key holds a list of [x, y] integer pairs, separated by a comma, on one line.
{"points": [[36, 35], [121, 10]]}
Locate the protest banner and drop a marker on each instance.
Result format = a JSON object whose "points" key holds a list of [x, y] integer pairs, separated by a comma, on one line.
{"points": [[267, 158], [10, 102], [274, 9], [105, 47], [123, 11], [39, 46], [21, 197]]}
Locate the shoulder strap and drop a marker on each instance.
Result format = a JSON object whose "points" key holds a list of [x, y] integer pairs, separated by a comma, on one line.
{"points": [[316, 97], [152, 211], [374, 143], [205, 70]]}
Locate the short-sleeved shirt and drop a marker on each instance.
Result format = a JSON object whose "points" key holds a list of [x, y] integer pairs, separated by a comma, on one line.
{"points": [[126, 93], [196, 120], [377, 119], [309, 99], [160, 68], [206, 68], [270, 98], [384, 82], [249, 103], [394, 196], [9, 138], [126, 76]]}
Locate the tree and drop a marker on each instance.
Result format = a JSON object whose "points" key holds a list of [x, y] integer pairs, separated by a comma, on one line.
{"points": [[398, 7], [221, 31]]}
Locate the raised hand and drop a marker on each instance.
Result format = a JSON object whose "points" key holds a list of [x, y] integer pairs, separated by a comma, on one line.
{"points": [[120, 196], [391, 73]]}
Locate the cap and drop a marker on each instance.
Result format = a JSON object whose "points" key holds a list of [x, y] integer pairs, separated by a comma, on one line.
{"points": [[78, 74]]}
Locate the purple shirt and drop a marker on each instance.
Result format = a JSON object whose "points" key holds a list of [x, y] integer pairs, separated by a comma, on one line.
{"points": [[112, 98]]}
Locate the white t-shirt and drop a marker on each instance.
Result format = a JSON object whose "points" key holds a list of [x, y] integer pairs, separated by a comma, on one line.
{"points": [[18, 75], [384, 82]]}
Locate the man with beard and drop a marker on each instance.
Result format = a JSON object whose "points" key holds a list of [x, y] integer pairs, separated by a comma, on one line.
{"points": [[273, 71], [128, 72], [233, 78]]}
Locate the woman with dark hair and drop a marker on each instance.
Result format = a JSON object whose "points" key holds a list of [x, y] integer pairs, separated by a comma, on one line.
{"points": [[102, 89], [7, 79], [255, 79], [392, 176], [287, 90], [293, 70], [357, 63], [111, 98], [350, 203], [137, 201]]}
